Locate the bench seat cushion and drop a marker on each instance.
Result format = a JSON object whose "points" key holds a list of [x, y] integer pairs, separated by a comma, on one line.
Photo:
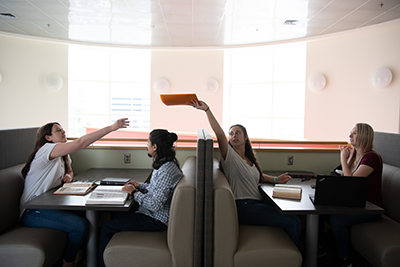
{"points": [[265, 246], [143, 248], [27, 246], [378, 242]]}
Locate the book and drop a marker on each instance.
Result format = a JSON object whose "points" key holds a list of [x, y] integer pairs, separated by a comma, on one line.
{"points": [[107, 195], [177, 99], [114, 181], [287, 191], [301, 174], [76, 188]]}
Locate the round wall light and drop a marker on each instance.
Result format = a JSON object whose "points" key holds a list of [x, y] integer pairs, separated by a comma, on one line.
{"points": [[211, 85], [161, 85], [317, 82], [381, 77], [54, 82]]}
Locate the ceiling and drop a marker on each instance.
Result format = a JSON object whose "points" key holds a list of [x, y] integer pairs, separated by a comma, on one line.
{"points": [[190, 23]]}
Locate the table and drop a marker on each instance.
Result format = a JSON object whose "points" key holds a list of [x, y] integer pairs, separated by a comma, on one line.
{"points": [[306, 207], [69, 202]]}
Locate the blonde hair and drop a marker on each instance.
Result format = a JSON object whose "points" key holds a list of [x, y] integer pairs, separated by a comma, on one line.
{"points": [[365, 139]]}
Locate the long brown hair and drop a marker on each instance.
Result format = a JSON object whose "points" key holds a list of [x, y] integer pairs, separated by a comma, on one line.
{"points": [[248, 150], [40, 141]]}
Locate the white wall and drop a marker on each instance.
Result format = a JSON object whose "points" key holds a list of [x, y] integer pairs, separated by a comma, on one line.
{"points": [[348, 61], [25, 101], [186, 72]]}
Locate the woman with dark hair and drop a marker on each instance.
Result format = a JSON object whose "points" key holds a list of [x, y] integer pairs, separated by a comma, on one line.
{"points": [[357, 160], [154, 199], [243, 172], [49, 166]]}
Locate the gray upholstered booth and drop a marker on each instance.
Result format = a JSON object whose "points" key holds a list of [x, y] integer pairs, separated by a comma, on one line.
{"points": [[20, 245], [379, 242], [246, 245]]}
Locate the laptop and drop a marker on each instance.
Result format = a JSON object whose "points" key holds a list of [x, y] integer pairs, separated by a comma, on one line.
{"points": [[332, 190]]}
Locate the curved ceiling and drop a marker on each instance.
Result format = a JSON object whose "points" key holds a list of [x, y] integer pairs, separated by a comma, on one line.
{"points": [[190, 23]]}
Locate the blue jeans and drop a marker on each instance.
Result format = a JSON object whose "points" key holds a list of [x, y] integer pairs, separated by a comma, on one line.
{"points": [[126, 221], [340, 229], [255, 212], [76, 226]]}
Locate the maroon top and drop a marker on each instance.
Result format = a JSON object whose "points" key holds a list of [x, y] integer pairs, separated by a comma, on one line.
{"points": [[374, 160]]}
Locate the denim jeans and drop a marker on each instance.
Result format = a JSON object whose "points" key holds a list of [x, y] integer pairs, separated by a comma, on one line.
{"points": [[126, 221], [340, 229], [75, 225], [255, 212]]}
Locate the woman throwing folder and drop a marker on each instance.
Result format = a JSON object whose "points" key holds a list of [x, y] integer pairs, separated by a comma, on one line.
{"points": [[243, 172]]}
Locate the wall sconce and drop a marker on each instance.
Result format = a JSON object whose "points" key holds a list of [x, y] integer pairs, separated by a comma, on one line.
{"points": [[54, 82], [381, 78], [317, 82], [211, 85], [161, 85]]}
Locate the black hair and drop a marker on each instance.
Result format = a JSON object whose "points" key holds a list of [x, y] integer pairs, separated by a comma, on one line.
{"points": [[165, 147]]}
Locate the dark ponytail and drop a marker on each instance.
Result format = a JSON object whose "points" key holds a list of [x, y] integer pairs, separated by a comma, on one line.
{"points": [[165, 147]]}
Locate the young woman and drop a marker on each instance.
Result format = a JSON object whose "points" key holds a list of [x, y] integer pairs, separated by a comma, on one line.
{"points": [[49, 166], [358, 160], [154, 199], [244, 173]]}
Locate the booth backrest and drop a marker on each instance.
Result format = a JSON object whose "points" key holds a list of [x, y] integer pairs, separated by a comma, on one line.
{"points": [[16, 145], [11, 187], [390, 191], [181, 223], [387, 145]]}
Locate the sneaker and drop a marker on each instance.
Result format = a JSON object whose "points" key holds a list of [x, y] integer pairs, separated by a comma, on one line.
{"points": [[345, 263], [321, 252]]}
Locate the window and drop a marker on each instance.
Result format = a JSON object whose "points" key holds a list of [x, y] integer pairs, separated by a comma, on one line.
{"points": [[107, 84], [266, 91]]}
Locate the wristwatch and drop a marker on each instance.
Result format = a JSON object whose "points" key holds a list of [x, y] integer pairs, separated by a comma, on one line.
{"points": [[134, 191]]}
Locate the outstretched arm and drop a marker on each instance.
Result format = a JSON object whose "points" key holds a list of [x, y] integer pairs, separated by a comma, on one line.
{"points": [[62, 149], [222, 141]]}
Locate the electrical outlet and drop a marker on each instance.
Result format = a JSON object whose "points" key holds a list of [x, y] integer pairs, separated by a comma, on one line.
{"points": [[127, 158], [289, 160]]}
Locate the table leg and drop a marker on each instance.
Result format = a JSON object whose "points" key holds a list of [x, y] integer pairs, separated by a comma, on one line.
{"points": [[92, 246], [312, 240]]}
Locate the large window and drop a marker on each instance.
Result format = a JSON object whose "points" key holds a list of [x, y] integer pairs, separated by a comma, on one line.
{"points": [[266, 91], [106, 84]]}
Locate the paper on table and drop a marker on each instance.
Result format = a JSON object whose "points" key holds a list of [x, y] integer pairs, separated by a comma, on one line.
{"points": [[109, 195]]}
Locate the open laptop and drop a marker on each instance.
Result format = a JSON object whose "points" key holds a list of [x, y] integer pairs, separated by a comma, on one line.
{"points": [[332, 190]]}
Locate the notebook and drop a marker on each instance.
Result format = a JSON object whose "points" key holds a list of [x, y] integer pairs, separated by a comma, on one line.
{"points": [[332, 190]]}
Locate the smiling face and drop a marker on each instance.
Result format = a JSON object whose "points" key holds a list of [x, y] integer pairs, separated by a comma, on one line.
{"points": [[236, 136], [57, 134]]}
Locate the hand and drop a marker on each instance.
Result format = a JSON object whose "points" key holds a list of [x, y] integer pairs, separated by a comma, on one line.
{"points": [[67, 178], [283, 178], [345, 151], [198, 105], [134, 183], [121, 123], [128, 188]]}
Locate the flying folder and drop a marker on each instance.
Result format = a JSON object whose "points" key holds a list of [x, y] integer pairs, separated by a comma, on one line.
{"points": [[177, 99]]}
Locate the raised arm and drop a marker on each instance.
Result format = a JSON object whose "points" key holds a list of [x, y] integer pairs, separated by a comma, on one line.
{"points": [[222, 141], [62, 149]]}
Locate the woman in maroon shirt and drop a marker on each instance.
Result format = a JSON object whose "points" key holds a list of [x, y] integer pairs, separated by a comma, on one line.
{"points": [[358, 160]]}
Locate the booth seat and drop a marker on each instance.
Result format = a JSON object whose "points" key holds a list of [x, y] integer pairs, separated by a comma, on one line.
{"points": [[173, 247], [21, 245], [246, 245], [379, 242]]}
